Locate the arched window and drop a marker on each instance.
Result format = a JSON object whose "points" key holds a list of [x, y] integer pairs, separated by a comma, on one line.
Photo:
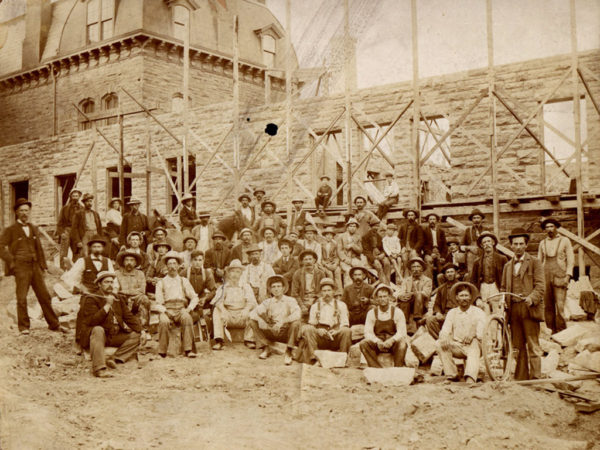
{"points": [[110, 102], [177, 102], [87, 106]]}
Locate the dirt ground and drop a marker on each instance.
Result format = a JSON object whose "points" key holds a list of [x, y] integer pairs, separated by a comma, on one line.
{"points": [[230, 399]]}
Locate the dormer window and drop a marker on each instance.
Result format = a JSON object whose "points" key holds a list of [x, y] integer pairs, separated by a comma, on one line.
{"points": [[268, 35], [100, 19], [180, 20]]}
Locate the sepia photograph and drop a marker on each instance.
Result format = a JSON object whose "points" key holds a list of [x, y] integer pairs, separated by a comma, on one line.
{"points": [[299, 224]]}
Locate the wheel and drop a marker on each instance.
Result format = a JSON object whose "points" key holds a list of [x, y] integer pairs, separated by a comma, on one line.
{"points": [[497, 349]]}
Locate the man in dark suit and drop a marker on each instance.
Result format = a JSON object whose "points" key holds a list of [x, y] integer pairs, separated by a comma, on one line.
{"points": [[297, 220], [469, 239], [487, 269], [287, 265], [411, 238], [86, 223], [372, 244], [306, 282], [63, 227], [134, 220], [524, 275], [108, 321], [217, 257], [21, 249], [188, 218], [434, 247], [444, 300]]}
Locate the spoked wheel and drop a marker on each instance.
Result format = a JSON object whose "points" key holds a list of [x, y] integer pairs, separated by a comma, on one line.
{"points": [[497, 349]]}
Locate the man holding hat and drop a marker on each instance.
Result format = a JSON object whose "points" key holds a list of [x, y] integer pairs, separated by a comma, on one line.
{"points": [[556, 254], [305, 282], [469, 239], [350, 249], [297, 219], [131, 284], [106, 320], [217, 257], [63, 227], [323, 195], [391, 194], [462, 333], [232, 303], [411, 237], [523, 275], [415, 292], [22, 251], [244, 215], [257, 272], [365, 218], [277, 319], [385, 329], [487, 269], [188, 218], [444, 301], [203, 231], [357, 296], [269, 246], [286, 265], [328, 326], [114, 219], [134, 220], [175, 300], [269, 219], [86, 223]]}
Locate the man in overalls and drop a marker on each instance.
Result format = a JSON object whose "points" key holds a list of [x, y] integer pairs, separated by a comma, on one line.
{"points": [[385, 329]]}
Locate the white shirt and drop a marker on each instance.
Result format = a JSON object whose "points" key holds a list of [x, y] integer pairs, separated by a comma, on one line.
{"points": [[25, 227], [202, 235], [391, 245], [434, 236], [399, 320], [460, 324], [517, 265], [282, 311], [170, 288], [114, 216], [327, 314], [233, 297], [271, 251], [391, 190], [247, 213], [73, 276]]}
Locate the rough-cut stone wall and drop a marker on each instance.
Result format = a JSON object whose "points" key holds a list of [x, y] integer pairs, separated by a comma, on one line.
{"points": [[41, 160]]}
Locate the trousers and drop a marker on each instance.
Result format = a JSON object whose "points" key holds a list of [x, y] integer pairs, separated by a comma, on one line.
{"points": [[232, 319], [30, 274], [370, 350], [65, 244], [182, 318], [128, 344], [555, 296], [471, 353], [525, 340], [433, 325], [341, 342], [289, 334]]}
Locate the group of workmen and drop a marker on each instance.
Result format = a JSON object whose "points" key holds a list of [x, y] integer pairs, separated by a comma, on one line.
{"points": [[295, 281]]}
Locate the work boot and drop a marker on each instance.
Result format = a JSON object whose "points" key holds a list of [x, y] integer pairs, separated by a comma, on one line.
{"points": [[110, 363], [287, 359], [265, 353], [190, 354], [103, 373], [218, 346], [250, 345]]}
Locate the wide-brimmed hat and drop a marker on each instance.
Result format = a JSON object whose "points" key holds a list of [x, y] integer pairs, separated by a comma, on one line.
{"points": [[187, 197], [253, 248], [550, 220], [244, 195], [476, 212], [245, 230], [164, 230], [20, 202], [447, 266], [307, 252], [516, 232], [219, 234], [432, 214], [484, 235], [362, 268], [381, 286], [187, 237], [79, 192], [256, 191], [96, 239], [234, 264], [324, 176], [326, 282], [104, 274], [351, 221], [202, 214], [134, 201], [279, 278], [328, 230], [285, 241], [87, 197], [121, 257], [360, 196], [112, 200], [172, 254], [262, 233], [297, 200], [419, 260], [310, 228], [163, 243], [472, 288], [268, 202], [134, 233], [407, 210]]}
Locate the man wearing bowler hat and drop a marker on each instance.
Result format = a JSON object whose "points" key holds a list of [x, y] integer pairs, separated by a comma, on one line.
{"points": [[323, 196], [257, 272], [134, 220], [217, 257], [411, 237], [556, 254], [523, 275], [305, 282], [469, 239], [244, 215], [487, 269], [63, 227], [22, 251], [270, 219], [86, 223]]}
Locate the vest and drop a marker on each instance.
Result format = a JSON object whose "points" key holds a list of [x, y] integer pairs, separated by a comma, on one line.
{"points": [[90, 272], [384, 329], [25, 248], [517, 286]]}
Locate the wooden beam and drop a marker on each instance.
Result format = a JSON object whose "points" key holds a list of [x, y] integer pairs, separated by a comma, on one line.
{"points": [[435, 138], [582, 242], [416, 166], [347, 87], [85, 159], [492, 116], [381, 152], [588, 238], [463, 227], [589, 91]]}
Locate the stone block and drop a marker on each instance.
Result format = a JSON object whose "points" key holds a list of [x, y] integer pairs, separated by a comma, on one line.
{"points": [[548, 346], [392, 376], [591, 344], [386, 360], [67, 306], [329, 359], [575, 332], [237, 334], [410, 359], [174, 348], [68, 320], [588, 360], [61, 291], [354, 356], [564, 385], [358, 332], [423, 346], [550, 362], [436, 366]]}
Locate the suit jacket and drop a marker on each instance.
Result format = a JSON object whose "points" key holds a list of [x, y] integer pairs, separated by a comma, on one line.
{"points": [[12, 240], [94, 314], [532, 275], [299, 283], [441, 240], [443, 301], [78, 225], [286, 269], [240, 220], [187, 218], [217, 260], [372, 244], [65, 218], [297, 220], [498, 262], [138, 222], [416, 240]]}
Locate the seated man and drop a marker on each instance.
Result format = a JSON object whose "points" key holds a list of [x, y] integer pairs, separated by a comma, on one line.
{"points": [[286, 265], [277, 319], [328, 326], [189, 245], [372, 243], [269, 246], [385, 329], [175, 300], [391, 194], [309, 242], [106, 320], [132, 285], [305, 282], [323, 196], [256, 273], [330, 261], [203, 282], [444, 301], [232, 304], [134, 242], [461, 334], [357, 296], [217, 257], [415, 292], [240, 251], [158, 268]]}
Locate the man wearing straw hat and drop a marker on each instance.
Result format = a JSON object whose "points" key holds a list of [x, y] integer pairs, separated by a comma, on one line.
{"points": [[462, 334], [487, 269], [175, 299], [63, 227], [257, 272], [269, 219], [187, 214], [277, 319], [106, 320], [415, 292], [305, 282], [385, 329], [134, 220], [232, 303], [244, 215], [86, 223], [132, 285]]}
